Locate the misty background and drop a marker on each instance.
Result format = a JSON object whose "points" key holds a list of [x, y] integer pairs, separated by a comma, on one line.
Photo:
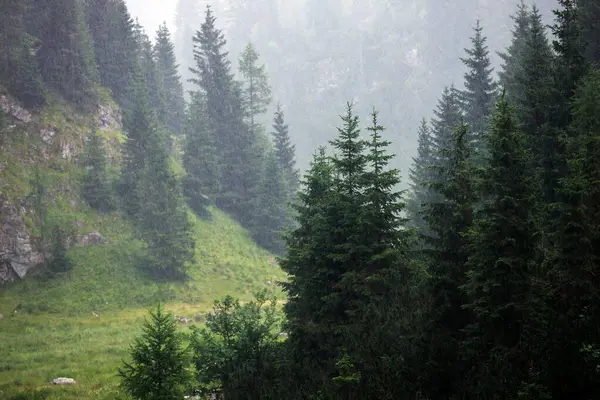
{"points": [[394, 55]]}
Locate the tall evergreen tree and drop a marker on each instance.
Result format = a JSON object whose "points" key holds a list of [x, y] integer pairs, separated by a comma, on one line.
{"points": [[112, 32], [447, 116], [170, 81], [285, 152], [201, 183], [480, 89], [419, 175], [66, 52], [256, 92], [272, 214], [573, 264], [240, 157], [448, 218], [589, 16], [96, 188], [513, 57], [501, 247]]}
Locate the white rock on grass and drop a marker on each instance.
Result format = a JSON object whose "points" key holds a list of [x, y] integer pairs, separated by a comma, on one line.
{"points": [[63, 381]]}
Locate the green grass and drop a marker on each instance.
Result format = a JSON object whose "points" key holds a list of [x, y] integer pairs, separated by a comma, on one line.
{"points": [[49, 329]]}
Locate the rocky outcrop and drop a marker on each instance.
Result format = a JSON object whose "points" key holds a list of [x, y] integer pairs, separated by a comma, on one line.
{"points": [[89, 239], [17, 255], [109, 118], [15, 110], [63, 381]]}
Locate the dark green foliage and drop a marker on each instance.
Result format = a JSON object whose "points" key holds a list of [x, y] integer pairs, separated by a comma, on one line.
{"points": [[236, 144], [59, 262], [152, 194], [285, 152], [112, 32], [501, 247], [170, 81], [589, 15], [201, 184], [66, 52], [96, 186], [573, 263], [478, 97], [419, 175], [448, 219], [18, 65], [271, 219], [236, 355], [513, 57], [158, 369]]}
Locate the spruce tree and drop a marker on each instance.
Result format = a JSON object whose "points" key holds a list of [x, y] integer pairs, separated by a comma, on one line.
{"points": [[419, 175], [256, 94], [513, 57], [59, 261], [237, 147], [201, 183], [447, 117], [96, 188], [112, 31], [285, 152], [479, 94], [66, 52], [572, 265], [448, 218], [158, 369], [170, 81], [589, 16], [271, 218], [500, 250]]}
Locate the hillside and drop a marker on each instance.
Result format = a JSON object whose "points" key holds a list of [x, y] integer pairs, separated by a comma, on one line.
{"points": [[80, 323]]}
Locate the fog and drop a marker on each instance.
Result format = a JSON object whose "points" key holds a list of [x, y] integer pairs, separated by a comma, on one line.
{"points": [[394, 55]]}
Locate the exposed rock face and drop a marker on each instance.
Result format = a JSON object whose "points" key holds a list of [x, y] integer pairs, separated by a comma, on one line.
{"points": [[17, 255], [109, 118], [89, 239], [47, 135], [15, 110]]}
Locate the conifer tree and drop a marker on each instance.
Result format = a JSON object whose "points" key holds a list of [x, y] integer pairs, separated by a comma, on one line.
{"points": [[479, 94], [272, 218], [147, 65], [448, 218], [285, 152], [59, 261], [18, 67], [513, 57], [589, 16], [66, 53], [500, 250], [201, 183], [572, 266], [256, 92], [159, 362], [447, 117], [170, 81], [419, 175], [240, 157], [96, 188], [112, 31]]}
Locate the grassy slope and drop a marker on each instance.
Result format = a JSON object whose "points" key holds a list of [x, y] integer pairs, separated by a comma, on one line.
{"points": [[49, 329]]}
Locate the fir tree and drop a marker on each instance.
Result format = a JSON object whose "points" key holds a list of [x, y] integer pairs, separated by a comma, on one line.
{"points": [[501, 247], [256, 94], [589, 16], [285, 152], [419, 175], [572, 265], [447, 117], [112, 32], [66, 53], [240, 157], [170, 81], [201, 183], [513, 57], [59, 261], [448, 218], [159, 362], [96, 188], [272, 213], [478, 97]]}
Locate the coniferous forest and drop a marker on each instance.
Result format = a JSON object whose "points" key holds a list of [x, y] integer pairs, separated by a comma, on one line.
{"points": [[480, 280]]}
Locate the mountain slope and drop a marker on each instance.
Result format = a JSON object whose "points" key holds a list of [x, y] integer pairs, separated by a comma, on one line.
{"points": [[79, 323]]}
